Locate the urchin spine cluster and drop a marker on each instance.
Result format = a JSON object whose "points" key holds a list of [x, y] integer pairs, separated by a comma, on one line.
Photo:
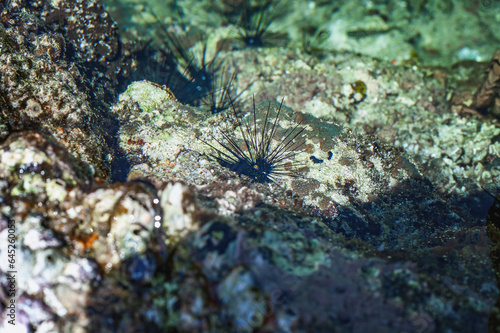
{"points": [[257, 157]]}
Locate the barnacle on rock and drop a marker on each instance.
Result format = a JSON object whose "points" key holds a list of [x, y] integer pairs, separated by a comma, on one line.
{"points": [[261, 156]]}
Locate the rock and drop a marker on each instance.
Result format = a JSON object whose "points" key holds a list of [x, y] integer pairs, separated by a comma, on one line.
{"points": [[61, 62], [79, 36], [361, 240]]}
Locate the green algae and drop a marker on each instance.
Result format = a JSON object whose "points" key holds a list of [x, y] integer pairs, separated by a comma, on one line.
{"points": [[148, 96], [294, 253]]}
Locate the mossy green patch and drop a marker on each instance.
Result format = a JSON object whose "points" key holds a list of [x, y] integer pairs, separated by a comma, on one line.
{"points": [[294, 253], [148, 96]]}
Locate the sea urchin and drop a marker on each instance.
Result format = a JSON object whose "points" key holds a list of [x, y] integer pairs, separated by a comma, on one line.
{"points": [[259, 155]]}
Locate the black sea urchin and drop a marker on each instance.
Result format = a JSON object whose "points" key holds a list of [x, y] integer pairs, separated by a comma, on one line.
{"points": [[255, 22], [260, 155]]}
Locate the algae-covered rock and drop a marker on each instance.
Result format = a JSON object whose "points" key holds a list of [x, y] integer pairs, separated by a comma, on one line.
{"points": [[61, 62], [353, 235], [354, 190], [229, 254], [80, 37]]}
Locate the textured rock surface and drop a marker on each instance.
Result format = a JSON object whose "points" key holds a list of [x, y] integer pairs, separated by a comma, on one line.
{"points": [[365, 240], [407, 105], [211, 258], [77, 35], [60, 62]]}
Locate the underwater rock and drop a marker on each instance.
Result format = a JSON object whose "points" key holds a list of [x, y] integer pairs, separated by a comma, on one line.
{"points": [[56, 206], [60, 62], [361, 241], [359, 179], [487, 95], [79, 36], [226, 254], [38, 94], [181, 250], [365, 193]]}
